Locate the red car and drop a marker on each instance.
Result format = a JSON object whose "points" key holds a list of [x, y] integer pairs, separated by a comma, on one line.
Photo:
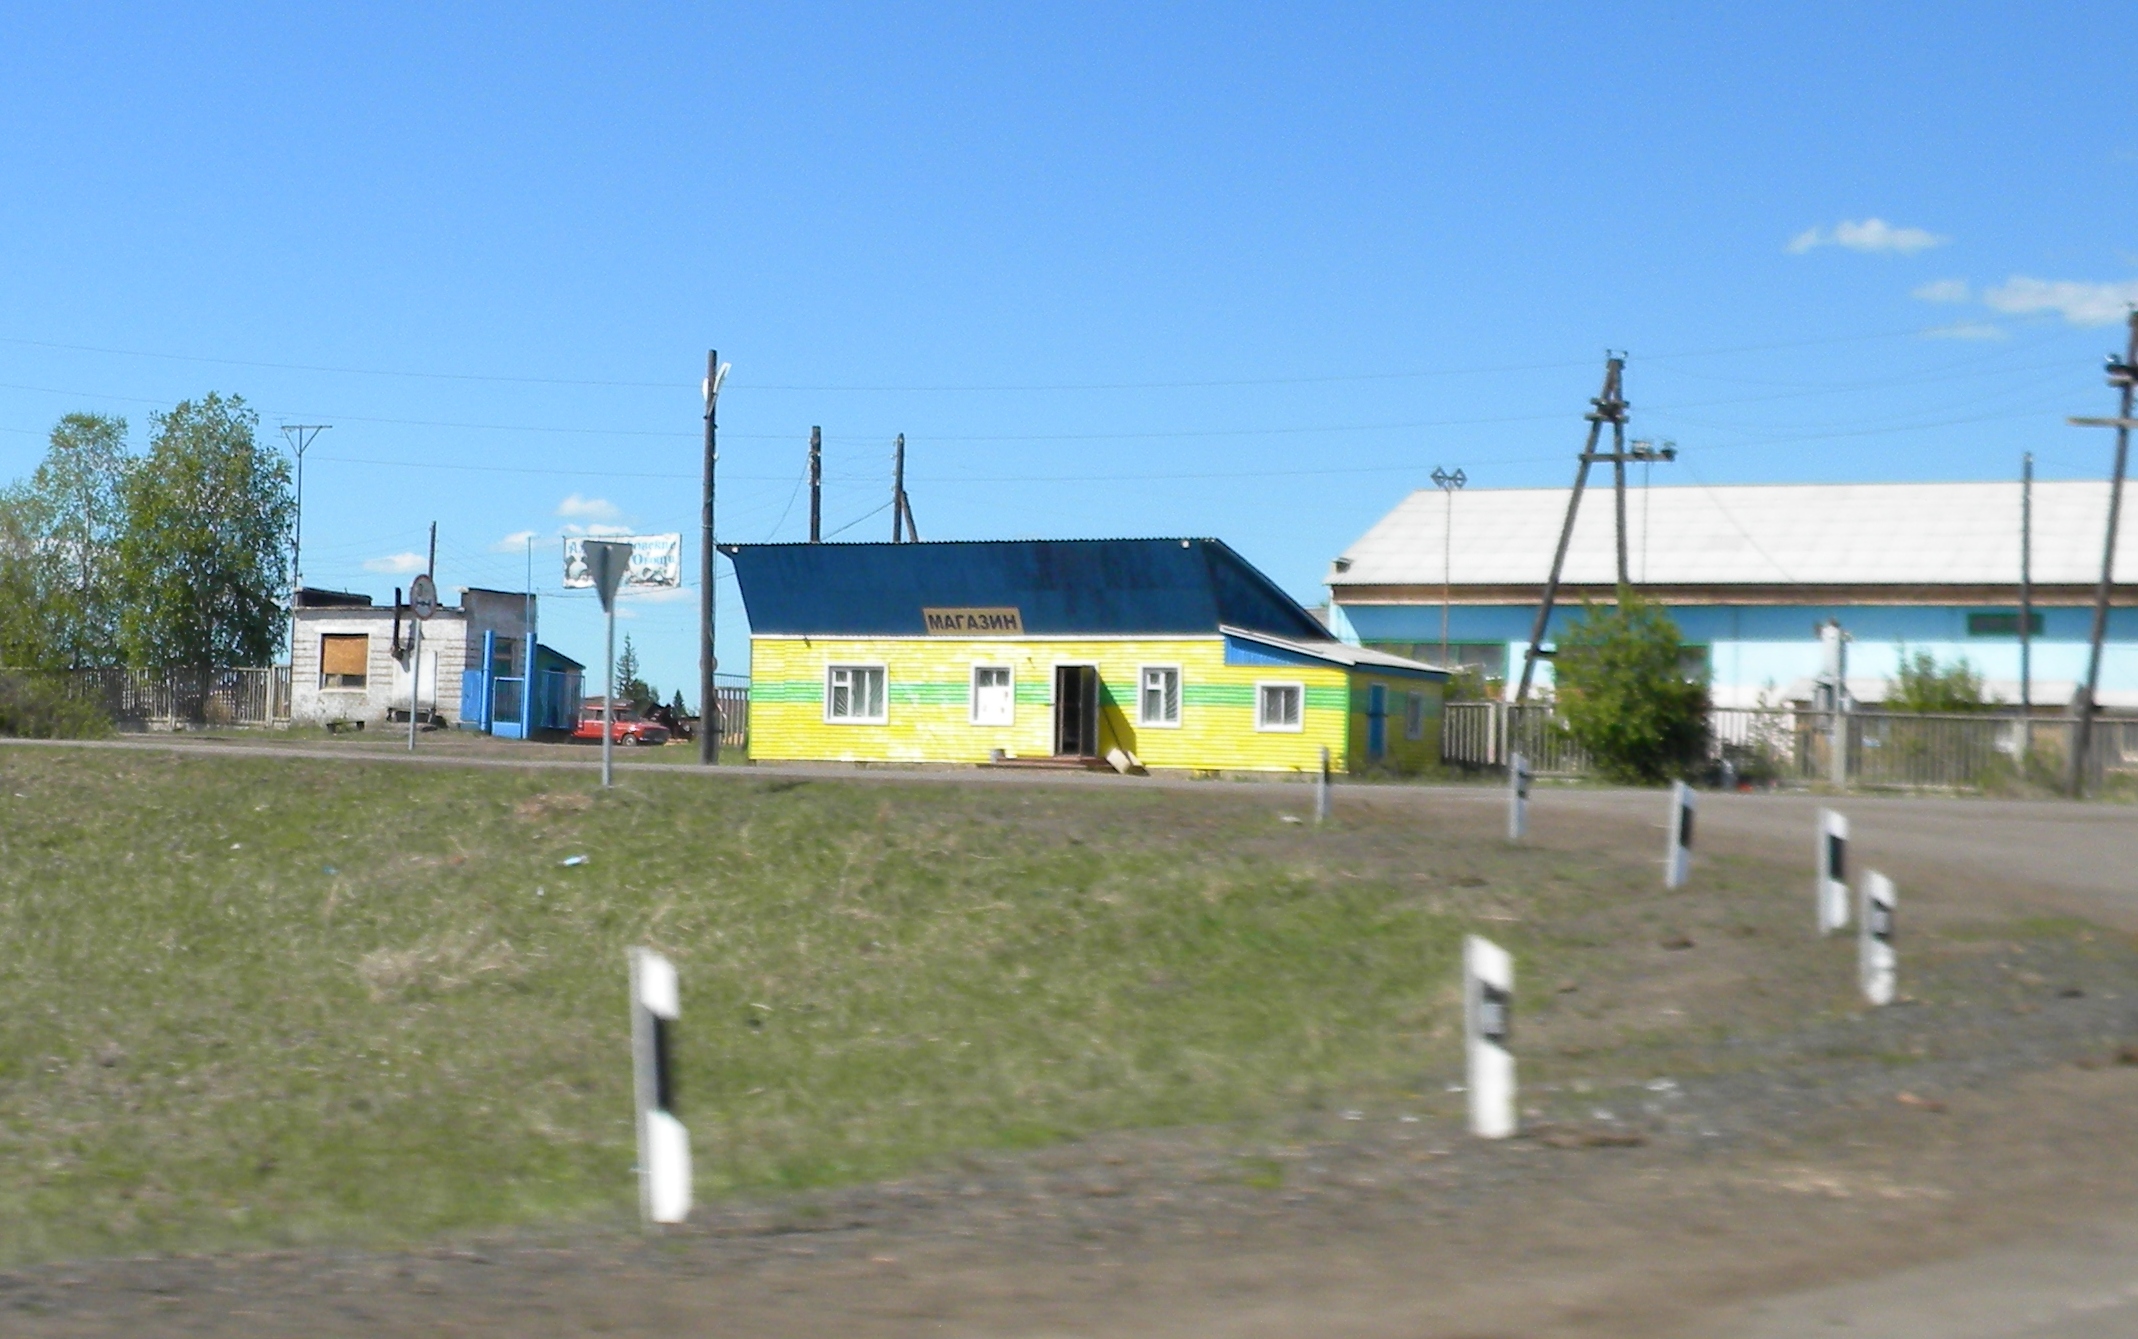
{"points": [[631, 728]]}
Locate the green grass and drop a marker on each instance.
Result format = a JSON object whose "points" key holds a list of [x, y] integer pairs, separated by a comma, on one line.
{"points": [[263, 1001]]}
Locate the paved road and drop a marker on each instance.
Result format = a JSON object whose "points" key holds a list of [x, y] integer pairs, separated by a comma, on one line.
{"points": [[2080, 1286], [2081, 858]]}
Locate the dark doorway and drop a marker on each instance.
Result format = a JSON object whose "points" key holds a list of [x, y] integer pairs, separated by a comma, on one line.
{"points": [[1076, 711]]}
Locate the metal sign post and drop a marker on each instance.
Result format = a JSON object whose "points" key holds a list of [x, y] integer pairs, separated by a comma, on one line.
{"points": [[1678, 859], [1518, 779], [664, 1181], [422, 603], [1488, 1023], [1832, 887], [606, 562], [1876, 959]]}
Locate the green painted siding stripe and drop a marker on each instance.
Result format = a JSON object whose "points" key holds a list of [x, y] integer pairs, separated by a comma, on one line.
{"points": [[787, 690], [1033, 694], [929, 694]]}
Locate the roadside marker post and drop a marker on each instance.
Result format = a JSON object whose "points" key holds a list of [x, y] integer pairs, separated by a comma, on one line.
{"points": [[1678, 858], [1518, 779], [1488, 1023], [1874, 940], [664, 1183], [1832, 887], [1321, 788]]}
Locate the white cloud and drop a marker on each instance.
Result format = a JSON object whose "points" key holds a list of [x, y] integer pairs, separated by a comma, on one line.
{"points": [[588, 508], [516, 542], [1967, 330], [395, 562], [1867, 235], [2077, 302], [1944, 290], [596, 531]]}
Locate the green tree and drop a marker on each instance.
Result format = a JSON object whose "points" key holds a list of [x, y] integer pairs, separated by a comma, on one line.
{"points": [[1925, 685], [204, 554], [60, 593], [629, 686], [1620, 675]]}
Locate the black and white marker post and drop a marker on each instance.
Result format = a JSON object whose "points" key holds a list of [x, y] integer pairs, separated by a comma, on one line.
{"points": [[606, 562], [1488, 1022], [1832, 888], [1518, 779], [1874, 939], [1321, 788], [1678, 859], [663, 1144]]}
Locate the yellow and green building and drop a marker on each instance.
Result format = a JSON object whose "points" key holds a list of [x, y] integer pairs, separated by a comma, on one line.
{"points": [[1176, 652]]}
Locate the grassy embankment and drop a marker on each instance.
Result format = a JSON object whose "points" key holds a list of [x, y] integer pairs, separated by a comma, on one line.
{"points": [[248, 1001], [277, 1000]]}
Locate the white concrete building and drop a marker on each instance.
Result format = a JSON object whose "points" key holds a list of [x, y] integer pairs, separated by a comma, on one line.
{"points": [[351, 663], [1750, 571]]}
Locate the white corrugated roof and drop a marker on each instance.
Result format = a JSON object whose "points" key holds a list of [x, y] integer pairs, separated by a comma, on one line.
{"points": [[1818, 534], [1335, 652]]}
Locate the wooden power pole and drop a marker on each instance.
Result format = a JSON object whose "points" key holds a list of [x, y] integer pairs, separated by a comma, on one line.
{"points": [[2122, 375], [816, 485], [1609, 407]]}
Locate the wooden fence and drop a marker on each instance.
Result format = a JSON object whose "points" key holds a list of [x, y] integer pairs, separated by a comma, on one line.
{"points": [[184, 699]]}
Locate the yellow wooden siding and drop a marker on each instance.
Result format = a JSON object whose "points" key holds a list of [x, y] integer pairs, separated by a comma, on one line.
{"points": [[1400, 753], [928, 703]]}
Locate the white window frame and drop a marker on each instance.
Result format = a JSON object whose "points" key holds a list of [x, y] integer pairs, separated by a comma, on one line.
{"points": [[1414, 715], [1158, 723], [882, 718], [1262, 686], [972, 697]]}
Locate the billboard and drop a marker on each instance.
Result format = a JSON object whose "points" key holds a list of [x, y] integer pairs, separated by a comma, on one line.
{"points": [[656, 560]]}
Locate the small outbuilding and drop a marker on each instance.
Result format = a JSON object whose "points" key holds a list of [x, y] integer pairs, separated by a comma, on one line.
{"points": [[353, 664], [1176, 652]]}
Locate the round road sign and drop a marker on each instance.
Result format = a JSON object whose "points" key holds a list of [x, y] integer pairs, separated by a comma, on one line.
{"points": [[423, 596]]}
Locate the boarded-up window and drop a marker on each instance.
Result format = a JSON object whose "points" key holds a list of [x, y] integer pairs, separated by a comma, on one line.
{"points": [[344, 660]]}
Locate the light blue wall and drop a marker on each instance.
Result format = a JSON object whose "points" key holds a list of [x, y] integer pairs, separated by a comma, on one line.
{"points": [[1751, 647]]}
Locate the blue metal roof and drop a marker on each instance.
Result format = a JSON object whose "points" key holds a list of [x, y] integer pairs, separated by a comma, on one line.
{"points": [[1060, 587]]}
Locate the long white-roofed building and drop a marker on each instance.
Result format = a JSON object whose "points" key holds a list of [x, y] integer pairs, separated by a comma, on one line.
{"points": [[1750, 572]]}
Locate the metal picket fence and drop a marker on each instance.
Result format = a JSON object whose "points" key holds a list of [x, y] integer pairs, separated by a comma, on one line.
{"points": [[1780, 746]]}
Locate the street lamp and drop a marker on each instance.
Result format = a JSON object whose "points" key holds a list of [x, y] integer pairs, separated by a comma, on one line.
{"points": [[1447, 483]]}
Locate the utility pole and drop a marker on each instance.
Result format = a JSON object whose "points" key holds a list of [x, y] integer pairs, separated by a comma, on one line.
{"points": [[1609, 408], [1447, 483], [816, 485], [2122, 375], [2026, 606], [898, 490], [300, 437], [716, 372]]}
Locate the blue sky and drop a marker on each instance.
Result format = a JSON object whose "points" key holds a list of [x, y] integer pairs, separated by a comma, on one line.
{"points": [[1245, 271]]}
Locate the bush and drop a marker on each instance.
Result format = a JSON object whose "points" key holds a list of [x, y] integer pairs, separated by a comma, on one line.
{"points": [[37, 707], [1623, 688], [1927, 686]]}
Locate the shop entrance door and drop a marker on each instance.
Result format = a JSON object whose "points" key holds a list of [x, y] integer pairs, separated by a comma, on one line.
{"points": [[1076, 711]]}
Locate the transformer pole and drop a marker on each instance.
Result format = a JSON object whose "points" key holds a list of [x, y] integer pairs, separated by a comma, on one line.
{"points": [[1609, 408]]}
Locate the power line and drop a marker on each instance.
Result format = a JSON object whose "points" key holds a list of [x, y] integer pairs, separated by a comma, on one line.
{"points": [[681, 384]]}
